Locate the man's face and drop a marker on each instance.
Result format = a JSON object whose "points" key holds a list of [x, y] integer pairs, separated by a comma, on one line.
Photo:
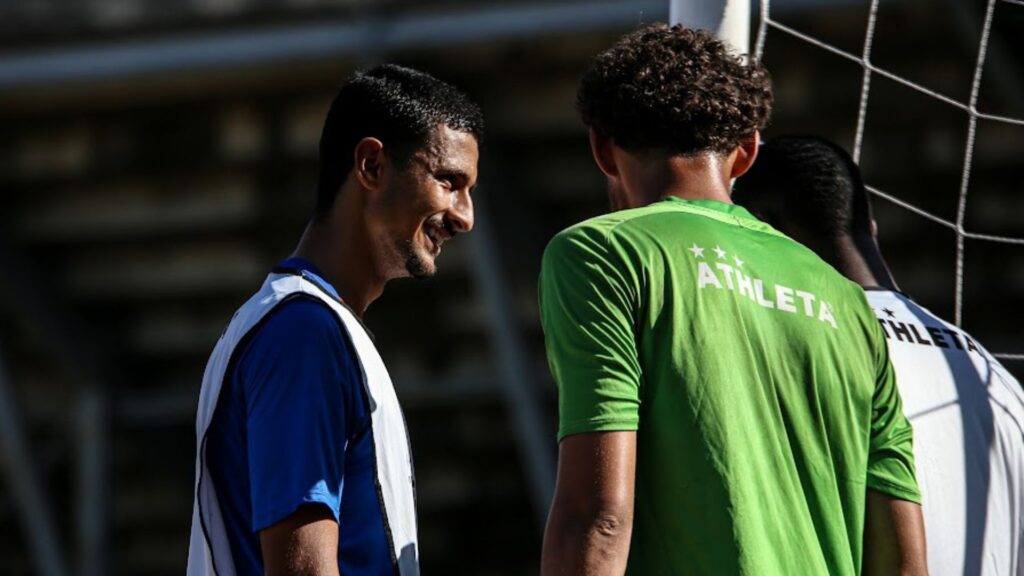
{"points": [[425, 203]]}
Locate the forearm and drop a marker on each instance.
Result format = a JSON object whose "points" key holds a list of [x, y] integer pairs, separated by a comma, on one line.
{"points": [[895, 567], [894, 538], [304, 563], [591, 519], [597, 545]]}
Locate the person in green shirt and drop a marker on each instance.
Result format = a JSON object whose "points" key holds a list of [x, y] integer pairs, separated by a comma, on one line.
{"points": [[726, 400]]}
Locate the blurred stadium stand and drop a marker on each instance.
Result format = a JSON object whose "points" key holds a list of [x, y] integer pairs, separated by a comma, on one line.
{"points": [[158, 157]]}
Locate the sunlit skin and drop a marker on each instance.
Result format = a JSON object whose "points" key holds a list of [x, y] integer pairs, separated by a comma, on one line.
{"points": [[424, 206], [639, 178], [390, 218]]}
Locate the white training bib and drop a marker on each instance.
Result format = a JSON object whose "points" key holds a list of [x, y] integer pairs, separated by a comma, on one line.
{"points": [[968, 418], [209, 550]]}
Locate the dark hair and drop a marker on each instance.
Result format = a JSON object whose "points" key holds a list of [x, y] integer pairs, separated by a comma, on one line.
{"points": [[809, 182], [400, 106], [675, 89]]}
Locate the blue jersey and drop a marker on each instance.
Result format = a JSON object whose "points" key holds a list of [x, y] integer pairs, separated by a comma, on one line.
{"points": [[292, 427]]}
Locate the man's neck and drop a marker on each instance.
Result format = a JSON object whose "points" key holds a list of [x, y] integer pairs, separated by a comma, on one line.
{"points": [[862, 262], [343, 256], [702, 177]]}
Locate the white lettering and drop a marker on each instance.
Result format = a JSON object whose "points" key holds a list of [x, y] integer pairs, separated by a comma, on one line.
{"points": [[746, 287], [728, 274], [807, 297], [705, 276], [759, 291], [784, 298], [825, 315]]}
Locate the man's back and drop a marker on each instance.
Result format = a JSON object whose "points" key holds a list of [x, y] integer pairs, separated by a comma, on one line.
{"points": [[751, 372], [968, 417]]}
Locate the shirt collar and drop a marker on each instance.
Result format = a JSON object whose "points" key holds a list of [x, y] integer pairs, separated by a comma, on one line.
{"points": [[717, 206]]}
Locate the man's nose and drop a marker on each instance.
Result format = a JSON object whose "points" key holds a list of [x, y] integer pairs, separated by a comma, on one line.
{"points": [[461, 213]]}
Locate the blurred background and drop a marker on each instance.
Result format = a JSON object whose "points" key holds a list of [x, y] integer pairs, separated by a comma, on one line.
{"points": [[157, 158]]}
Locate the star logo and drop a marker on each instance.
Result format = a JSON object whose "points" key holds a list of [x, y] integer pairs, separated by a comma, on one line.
{"points": [[739, 263], [889, 313], [698, 252], [720, 252]]}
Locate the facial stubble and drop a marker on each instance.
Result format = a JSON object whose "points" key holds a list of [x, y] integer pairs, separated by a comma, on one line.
{"points": [[415, 264]]}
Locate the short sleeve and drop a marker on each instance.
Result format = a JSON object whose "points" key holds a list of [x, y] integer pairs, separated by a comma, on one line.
{"points": [[588, 310], [891, 451], [297, 379]]}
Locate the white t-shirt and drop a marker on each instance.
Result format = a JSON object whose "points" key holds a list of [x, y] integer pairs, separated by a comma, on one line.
{"points": [[968, 418]]}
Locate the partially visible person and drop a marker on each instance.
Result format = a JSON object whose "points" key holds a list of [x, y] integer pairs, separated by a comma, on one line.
{"points": [[303, 463], [966, 409], [726, 400]]}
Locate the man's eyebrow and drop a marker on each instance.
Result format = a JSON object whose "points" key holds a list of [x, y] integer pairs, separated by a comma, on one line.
{"points": [[452, 172]]}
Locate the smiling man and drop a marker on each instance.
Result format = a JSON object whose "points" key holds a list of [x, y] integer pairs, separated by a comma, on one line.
{"points": [[303, 462]]}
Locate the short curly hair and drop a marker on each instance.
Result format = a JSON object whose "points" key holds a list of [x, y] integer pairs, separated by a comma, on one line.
{"points": [[676, 89]]}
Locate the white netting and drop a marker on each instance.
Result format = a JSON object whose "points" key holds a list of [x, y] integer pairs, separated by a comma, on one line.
{"points": [[969, 107]]}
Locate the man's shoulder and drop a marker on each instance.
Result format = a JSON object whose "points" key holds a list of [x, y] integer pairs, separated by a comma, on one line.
{"points": [[304, 310], [624, 220], [299, 319], [598, 226], [300, 329], [588, 236], [619, 228], [665, 222], [897, 311], [662, 227]]}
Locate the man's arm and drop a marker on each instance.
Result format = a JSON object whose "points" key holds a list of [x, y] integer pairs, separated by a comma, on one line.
{"points": [[894, 541], [299, 380], [591, 517], [893, 524], [303, 544]]}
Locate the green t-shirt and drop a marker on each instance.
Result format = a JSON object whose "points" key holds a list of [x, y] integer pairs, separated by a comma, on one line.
{"points": [[757, 379]]}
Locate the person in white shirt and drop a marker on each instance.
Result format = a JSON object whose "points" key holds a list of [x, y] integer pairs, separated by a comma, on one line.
{"points": [[966, 409]]}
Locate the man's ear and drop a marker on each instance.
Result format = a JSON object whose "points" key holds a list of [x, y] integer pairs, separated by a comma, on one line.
{"points": [[746, 152], [601, 147], [369, 162], [874, 229]]}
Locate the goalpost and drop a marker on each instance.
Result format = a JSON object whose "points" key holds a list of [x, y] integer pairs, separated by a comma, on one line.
{"points": [[728, 19]]}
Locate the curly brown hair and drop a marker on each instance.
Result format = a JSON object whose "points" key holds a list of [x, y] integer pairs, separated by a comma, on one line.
{"points": [[676, 89]]}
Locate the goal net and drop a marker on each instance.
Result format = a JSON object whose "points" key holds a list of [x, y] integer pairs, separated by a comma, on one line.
{"points": [[772, 28]]}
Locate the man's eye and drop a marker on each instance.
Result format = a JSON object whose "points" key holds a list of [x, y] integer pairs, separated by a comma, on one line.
{"points": [[448, 181]]}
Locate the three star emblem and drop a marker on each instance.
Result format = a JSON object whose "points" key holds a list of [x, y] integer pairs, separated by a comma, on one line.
{"points": [[698, 252]]}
